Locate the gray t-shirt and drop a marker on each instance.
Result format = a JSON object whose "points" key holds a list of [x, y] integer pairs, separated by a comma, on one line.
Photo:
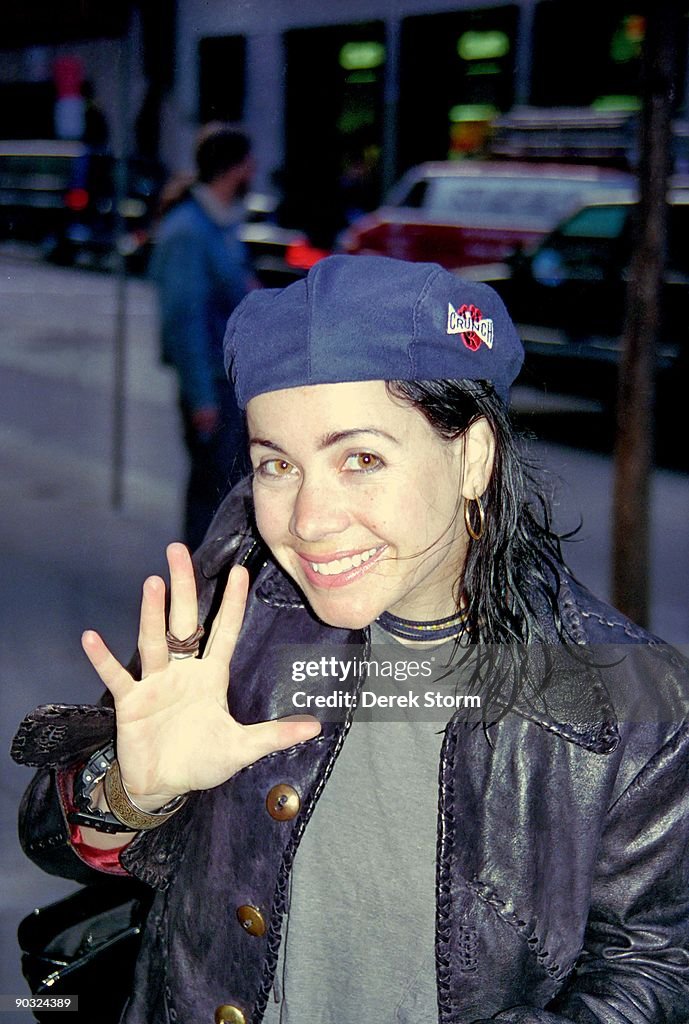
{"points": [[359, 936]]}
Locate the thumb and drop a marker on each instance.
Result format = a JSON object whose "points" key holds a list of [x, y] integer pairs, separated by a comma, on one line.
{"points": [[268, 737]]}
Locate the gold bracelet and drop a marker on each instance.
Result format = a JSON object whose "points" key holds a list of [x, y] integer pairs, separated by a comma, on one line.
{"points": [[126, 811]]}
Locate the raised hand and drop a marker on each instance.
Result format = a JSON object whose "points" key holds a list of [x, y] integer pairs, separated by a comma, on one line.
{"points": [[174, 731]]}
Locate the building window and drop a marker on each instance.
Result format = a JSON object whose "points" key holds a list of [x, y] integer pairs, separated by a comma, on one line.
{"points": [[333, 125], [222, 71], [587, 53], [456, 74]]}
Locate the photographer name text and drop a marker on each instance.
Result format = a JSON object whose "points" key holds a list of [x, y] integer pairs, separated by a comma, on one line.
{"points": [[368, 699]]}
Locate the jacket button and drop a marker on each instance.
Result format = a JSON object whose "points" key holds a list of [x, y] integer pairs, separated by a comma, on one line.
{"points": [[227, 1014], [251, 920], [283, 802]]}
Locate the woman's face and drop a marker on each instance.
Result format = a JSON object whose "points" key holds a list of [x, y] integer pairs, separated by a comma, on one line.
{"points": [[359, 500]]}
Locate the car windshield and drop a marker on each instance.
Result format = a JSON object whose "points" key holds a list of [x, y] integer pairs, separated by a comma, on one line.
{"points": [[596, 222], [591, 246], [541, 202]]}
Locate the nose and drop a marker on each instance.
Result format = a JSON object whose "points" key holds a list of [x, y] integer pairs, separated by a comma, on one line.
{"points": [[317, 513]]}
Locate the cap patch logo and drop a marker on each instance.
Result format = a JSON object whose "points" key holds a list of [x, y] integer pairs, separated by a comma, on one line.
{"points": [[468, 321]]}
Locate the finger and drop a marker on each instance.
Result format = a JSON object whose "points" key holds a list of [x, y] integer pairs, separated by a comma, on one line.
{"points": [[152, 643], [183, 603], [229, 594], [112, 674], [267, 737], [228, 621]]}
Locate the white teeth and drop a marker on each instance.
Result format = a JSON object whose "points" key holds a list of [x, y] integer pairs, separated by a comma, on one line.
{"points": [[339, 565]]}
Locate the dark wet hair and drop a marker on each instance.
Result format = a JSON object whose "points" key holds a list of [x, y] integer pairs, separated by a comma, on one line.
{"points": [[514, 569], [220, 150], [509, 584]]}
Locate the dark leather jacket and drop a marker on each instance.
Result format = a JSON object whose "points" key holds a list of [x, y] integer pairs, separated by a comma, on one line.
{"points": [[563, 834]]}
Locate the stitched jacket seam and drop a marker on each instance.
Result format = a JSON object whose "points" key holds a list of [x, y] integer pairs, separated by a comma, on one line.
{"points": [[546, 960]]}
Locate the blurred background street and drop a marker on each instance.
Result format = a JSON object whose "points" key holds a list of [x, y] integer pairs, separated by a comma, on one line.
{"points": [[457, 131]]}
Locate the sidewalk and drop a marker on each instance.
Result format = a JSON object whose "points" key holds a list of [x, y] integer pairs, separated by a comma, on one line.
{"points": [[68, 562], [585, 494]]}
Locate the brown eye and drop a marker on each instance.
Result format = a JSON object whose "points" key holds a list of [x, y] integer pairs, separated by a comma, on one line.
{"points": [[363, 462], [276, 468]]}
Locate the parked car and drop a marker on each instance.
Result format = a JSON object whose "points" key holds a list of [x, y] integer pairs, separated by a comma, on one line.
{"points": [[62, 196], [568, 297], [469, 212]]}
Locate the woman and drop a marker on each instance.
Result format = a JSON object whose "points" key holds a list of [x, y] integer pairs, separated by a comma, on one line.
{"points": [[389, 506]]}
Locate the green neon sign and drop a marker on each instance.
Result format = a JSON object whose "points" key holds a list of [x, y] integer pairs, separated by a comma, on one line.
{"points": [[475, 45], [472, 112], [362, 56]]}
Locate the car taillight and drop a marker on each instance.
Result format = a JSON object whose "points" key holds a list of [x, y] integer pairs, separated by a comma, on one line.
{"points": [[77, 199], [302, 255]]}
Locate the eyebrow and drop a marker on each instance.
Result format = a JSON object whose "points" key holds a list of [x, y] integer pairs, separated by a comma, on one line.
{"points": [[344, 435], [262, 442], [328, 440]]}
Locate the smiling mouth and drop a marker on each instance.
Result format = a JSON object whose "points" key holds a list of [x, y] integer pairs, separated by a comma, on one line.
{"points": [[340, 565]]}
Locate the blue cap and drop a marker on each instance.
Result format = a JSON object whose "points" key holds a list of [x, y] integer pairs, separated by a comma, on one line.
{"points": [[371, 318]]}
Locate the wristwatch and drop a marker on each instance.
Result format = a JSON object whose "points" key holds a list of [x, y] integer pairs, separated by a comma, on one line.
{"points": [[123, 815], [93, 772]]}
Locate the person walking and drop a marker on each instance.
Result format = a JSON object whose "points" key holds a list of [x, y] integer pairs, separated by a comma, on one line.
{"points": [[202, 272]]}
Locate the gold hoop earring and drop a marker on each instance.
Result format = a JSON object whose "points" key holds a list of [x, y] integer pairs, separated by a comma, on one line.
{"points": [[474, 534]]}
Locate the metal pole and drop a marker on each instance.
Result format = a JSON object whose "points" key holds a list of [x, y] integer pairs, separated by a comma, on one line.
{"points": [[120, 338], [636, 391], [524, 54]]}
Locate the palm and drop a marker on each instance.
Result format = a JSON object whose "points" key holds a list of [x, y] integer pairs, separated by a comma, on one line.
{"points": [[174, 730]]}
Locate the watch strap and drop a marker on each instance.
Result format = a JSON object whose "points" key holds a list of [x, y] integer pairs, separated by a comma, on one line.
{"points": [[101, 821]]}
